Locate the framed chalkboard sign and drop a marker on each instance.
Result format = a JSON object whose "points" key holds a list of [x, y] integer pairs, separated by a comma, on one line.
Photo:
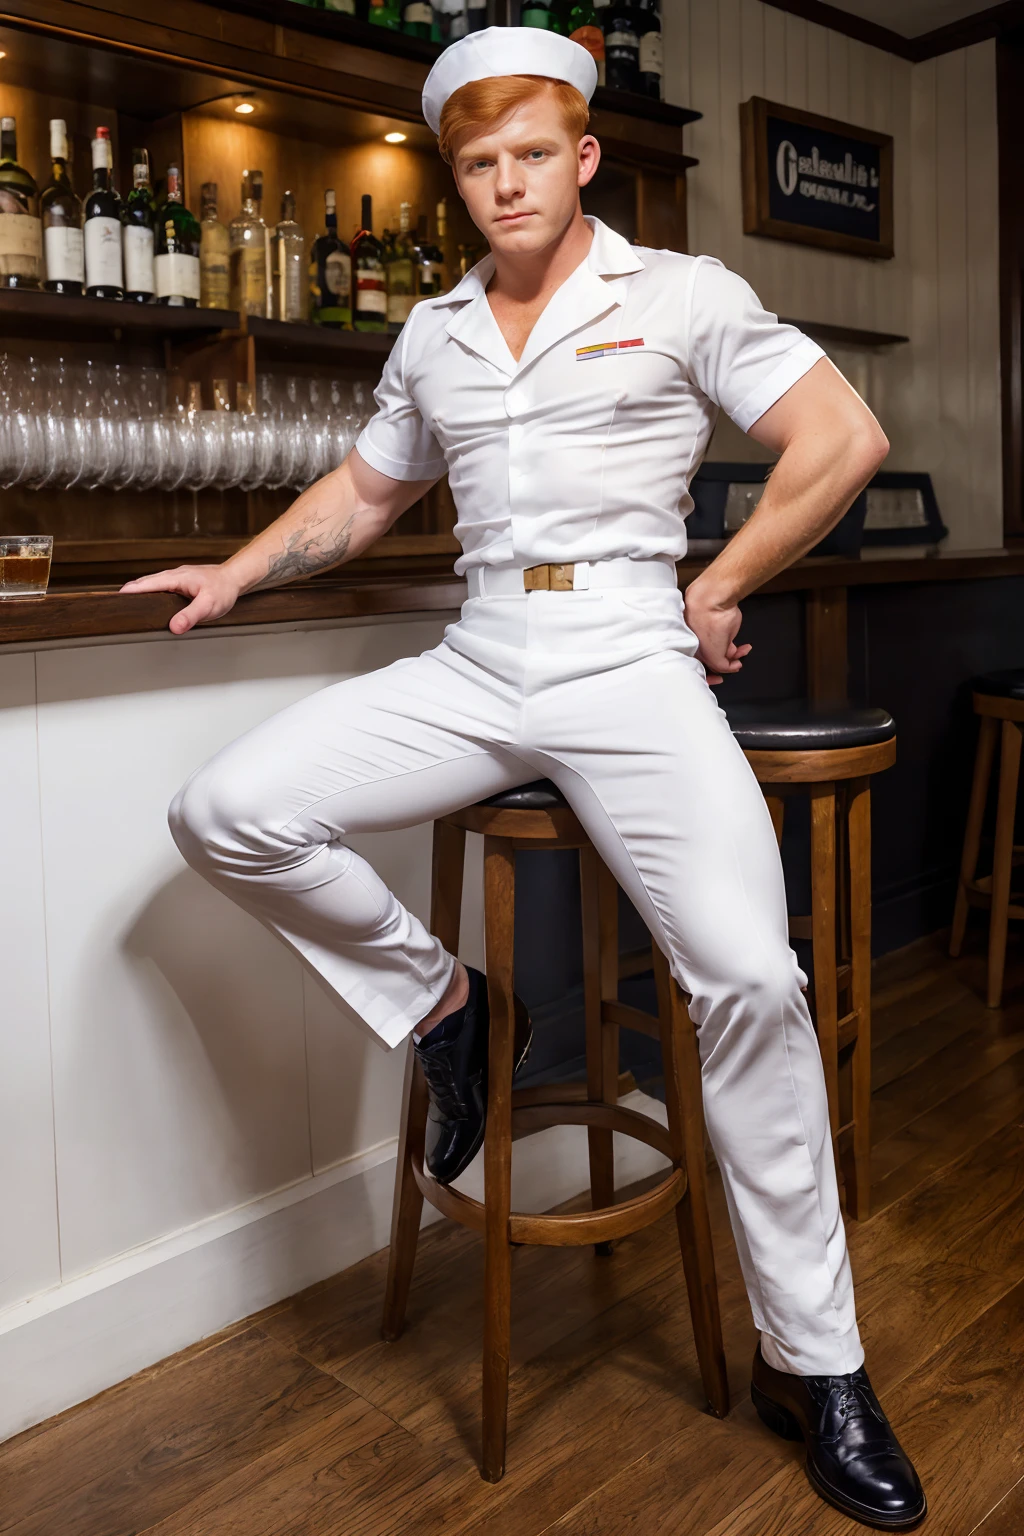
{"points": [[815, 180]]}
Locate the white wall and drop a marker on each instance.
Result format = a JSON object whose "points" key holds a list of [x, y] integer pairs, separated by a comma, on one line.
{"points": [[938, 398]]}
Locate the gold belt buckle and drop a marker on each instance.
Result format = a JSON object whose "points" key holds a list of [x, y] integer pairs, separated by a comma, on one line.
{"points": [[548, 578]]}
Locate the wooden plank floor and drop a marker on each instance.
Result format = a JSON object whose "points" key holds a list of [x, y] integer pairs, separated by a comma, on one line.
{"points": [[302, 1422]]}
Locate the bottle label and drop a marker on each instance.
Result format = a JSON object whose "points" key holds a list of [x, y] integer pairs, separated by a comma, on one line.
{"points": [[430, 278], [371, 290], [214, 267], [65, 254], [176, 276], [103, 267], [138, 259], [652, 54], [250, 279], [399, 306], [535, 16], [348, 7], [338, 276], [621, 40], [21, 235], [418, 12], [592, 39]]}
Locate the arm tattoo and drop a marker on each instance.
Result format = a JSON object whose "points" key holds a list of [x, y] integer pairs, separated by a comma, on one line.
{"points": [[313, 547]]}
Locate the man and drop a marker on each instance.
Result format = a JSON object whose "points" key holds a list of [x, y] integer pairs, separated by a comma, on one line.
{"points": [[568, 386]]}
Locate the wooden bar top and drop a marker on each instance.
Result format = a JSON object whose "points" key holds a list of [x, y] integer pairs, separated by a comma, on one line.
{"points": [[79, 612]]}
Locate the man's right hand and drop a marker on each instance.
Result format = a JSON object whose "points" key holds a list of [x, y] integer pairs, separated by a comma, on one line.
{"points": [[212, 588]]}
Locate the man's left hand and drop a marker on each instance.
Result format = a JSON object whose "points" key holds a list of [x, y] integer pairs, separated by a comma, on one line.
{"points": [[716, 626]]}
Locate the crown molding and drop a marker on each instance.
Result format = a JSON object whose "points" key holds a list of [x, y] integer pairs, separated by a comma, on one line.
{"points": [[993, 22]]}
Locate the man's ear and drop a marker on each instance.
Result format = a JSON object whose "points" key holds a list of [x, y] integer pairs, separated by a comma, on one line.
{"points": [[589, 158]]}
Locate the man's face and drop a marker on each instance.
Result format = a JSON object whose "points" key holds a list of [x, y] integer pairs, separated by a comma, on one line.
{"points": [[520, 179]]}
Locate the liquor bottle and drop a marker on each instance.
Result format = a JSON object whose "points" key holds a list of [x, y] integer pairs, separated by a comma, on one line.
{"points": [[370, 299], [61, 213], [289, 263], [21, 234], [176, 265], [582, 24], [330, 274], [476, 15], [418, 20], [139, 234], [539, 13], [651, 54], [214, 254], [429, 262], [453, 18], [249, 250], [400, 273], [346, 7], [104, 268], [385, 13], [621, 46]]}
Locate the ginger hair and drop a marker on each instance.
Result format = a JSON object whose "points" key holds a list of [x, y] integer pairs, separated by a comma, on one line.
{"points": [[483, 102]]}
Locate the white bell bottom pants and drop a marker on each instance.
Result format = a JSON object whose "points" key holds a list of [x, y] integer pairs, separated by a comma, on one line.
{"points": [[600, 691]]}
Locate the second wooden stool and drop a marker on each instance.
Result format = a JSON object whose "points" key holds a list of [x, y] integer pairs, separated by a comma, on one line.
{"points": [[536, 816], [829, 754]]}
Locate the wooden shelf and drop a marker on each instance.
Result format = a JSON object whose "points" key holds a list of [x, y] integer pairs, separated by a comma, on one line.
{"points": [[845, 333], [41, 315], [286, 341]]}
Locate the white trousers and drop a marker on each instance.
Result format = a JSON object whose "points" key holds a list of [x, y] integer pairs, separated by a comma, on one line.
{"points": [[600, 691]]}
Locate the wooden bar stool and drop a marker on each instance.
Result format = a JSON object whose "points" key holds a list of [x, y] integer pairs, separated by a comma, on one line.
{"points": [[537, 816], [829, 753], [997, 697]]}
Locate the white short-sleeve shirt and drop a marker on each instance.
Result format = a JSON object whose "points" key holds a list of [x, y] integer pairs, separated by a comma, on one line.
{"points": [[584, 449]]}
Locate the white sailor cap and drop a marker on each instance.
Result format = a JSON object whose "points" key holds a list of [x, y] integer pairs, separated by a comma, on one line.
{"points": [[506, 51]]}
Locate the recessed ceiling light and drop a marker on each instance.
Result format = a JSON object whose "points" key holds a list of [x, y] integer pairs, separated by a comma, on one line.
{"points": [[2, 54], [394, 138], [244, 108]]}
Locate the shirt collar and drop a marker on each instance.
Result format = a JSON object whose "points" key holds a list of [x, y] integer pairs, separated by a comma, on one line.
{"points": [[589, 292]]}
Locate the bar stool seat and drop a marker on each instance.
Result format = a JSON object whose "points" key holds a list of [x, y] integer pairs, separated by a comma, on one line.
{"points": [[828, 753], [536, 815], [998, 698]]}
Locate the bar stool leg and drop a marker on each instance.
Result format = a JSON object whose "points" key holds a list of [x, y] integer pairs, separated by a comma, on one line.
{"points": [[685, 1103], [448, 864], [777, 807], [823, 938], [856, 1154], [499, 908], [983, 757], [1002, 866], [600, 914]]}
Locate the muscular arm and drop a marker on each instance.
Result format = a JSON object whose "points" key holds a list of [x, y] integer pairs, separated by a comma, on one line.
{"points": [[830, 446], [333, 521]]}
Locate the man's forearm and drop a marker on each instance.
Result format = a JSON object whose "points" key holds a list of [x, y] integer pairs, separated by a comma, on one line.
{"points": [[328, 524], [811, 487]]}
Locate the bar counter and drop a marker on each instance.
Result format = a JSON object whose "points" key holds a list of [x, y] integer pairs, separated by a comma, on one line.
{"points": [[78, 611]]}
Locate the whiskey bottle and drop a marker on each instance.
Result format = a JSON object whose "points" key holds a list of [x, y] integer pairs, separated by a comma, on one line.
{"points": [[139, 237], [61, 213], [249, 235], [330, 274], [289, 263], [214, 254], [400, 272], [21, 234], [176, 265], [104, 268], [370, 306]]}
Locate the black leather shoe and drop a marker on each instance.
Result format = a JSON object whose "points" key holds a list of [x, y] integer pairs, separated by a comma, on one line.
{"points": [[456, 1077], [853, 1457]]}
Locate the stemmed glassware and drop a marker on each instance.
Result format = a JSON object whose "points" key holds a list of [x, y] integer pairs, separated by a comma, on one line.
{"points": [[121, 427]]}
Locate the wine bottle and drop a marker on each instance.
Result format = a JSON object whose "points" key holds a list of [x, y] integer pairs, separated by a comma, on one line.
{"points": [[330, 274], [429, 262], [476, 15], [214, 254], [621, 46], [538, 13], [61, 213], [584, 27], [248, 235], [400, 273], [289, 263], [21, 234], [139, 235], [346, 7], [104, 268], [651, 51], [418, 19], [370, 306], [385, 13], [176, 264]]}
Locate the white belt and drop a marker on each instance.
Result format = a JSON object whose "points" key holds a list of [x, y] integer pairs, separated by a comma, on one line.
{"points": [[576, 576]]}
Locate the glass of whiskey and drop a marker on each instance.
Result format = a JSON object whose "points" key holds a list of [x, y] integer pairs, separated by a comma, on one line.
{"points": [[25, 564]]}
